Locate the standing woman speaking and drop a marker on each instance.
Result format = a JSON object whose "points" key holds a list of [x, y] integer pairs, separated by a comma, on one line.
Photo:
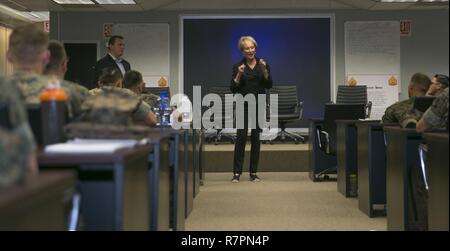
{"points": [[250, 76]]}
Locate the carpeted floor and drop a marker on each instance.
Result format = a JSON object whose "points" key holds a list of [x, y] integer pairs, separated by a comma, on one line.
{"points": [[281, 201]]}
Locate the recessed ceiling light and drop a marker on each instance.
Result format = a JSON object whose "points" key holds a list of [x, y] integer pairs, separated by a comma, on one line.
{"points": [[73, 1], [115, 1]]}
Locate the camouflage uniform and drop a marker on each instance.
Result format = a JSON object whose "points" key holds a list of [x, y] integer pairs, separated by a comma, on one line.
{"points": [[31, 85], [79, 95], [16, 142], [116, 106], [402, 113], [149, 98], [437, 115]]}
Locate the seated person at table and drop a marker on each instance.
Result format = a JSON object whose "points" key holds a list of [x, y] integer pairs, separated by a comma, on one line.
{"points": [[133, 81], [28, 52], [110, 104], [57, 67], [435, 117], [402, 112], [17, 145]]}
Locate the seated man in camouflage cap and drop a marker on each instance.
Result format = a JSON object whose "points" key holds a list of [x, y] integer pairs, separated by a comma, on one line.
{"points": [[113, 105], [436, 116], [29, 54], [403, 112], [57, 67], [17, 145], [133, 81]]}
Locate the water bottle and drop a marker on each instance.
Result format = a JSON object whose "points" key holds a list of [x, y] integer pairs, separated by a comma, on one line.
{"points": [[53, 112], [162, 112], [353, 185]]}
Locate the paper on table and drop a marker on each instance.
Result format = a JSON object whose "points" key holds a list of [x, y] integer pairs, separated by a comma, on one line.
{"points": [[90, 146]]}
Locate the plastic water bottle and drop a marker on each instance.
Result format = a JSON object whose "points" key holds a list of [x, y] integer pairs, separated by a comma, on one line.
{"points": [[164, 109], [53, 111]]}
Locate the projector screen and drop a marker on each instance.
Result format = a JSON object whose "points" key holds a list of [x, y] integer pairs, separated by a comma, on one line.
{"points": [[298, 50]]}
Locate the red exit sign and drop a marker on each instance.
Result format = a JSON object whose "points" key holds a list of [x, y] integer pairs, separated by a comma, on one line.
{"points": [[405, 27]]}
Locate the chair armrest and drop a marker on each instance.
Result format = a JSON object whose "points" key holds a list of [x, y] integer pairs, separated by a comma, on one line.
{"points": [[299, 109], [423, 149], [368, 109], [327, 140]]}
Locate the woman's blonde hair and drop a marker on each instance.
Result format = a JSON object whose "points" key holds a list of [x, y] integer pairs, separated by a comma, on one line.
{"points": [[246, 38]]}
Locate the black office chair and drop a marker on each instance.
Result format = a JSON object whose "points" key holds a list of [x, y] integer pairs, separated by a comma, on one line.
{"points": [[354, 95], [324, 137], [4, 117], [226, 112], [289, 110], [423, 103], [34, 113]]}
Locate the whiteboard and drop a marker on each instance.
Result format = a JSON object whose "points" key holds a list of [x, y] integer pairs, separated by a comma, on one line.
{"points": [[372, 58], [147, 50], [372, 47]]}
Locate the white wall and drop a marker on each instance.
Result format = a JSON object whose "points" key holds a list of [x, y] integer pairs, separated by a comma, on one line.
{"points": [[426, 50]]}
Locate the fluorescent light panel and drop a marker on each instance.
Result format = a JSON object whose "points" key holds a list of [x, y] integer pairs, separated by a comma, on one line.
{"points": [[73, 1], [413, 1], [115, 1]]}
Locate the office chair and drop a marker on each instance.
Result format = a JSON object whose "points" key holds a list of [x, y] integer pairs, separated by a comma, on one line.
{"points": [[222, 91], [289, 110], [324, 136], [354, 95], [423, 103], [4, 117]]}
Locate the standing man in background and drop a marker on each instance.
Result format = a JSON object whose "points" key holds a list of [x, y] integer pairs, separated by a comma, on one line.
{"points": [[116, 47]]}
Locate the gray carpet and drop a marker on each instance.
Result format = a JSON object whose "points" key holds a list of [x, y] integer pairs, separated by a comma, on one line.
{"points": [[281, 201]]}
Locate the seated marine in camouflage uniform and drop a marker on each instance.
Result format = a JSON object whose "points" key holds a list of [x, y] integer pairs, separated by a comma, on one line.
{"points": [[17, 145], [436, 116], [28, 52], [116, 106], [57, 67], [133, 81], [403, 112]]}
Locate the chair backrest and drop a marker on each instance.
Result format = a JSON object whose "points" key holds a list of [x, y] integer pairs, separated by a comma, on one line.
{"points": [[351, 94], [221, 91], [158, 90], [287, 100], [335, 112], [35, 120], [4, 117], [422, 103]]}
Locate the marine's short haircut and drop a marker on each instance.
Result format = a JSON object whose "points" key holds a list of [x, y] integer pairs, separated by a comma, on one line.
{"points": [[57, 55], [109, 76], [421, 82], [132, 79], [26, 43]]}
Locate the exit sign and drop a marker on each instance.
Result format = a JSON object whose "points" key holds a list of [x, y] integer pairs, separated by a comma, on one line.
{"points": [[405, 28]]}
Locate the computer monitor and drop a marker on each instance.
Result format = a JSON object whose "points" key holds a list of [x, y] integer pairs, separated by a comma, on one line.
{"points": [[422, 103]]}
